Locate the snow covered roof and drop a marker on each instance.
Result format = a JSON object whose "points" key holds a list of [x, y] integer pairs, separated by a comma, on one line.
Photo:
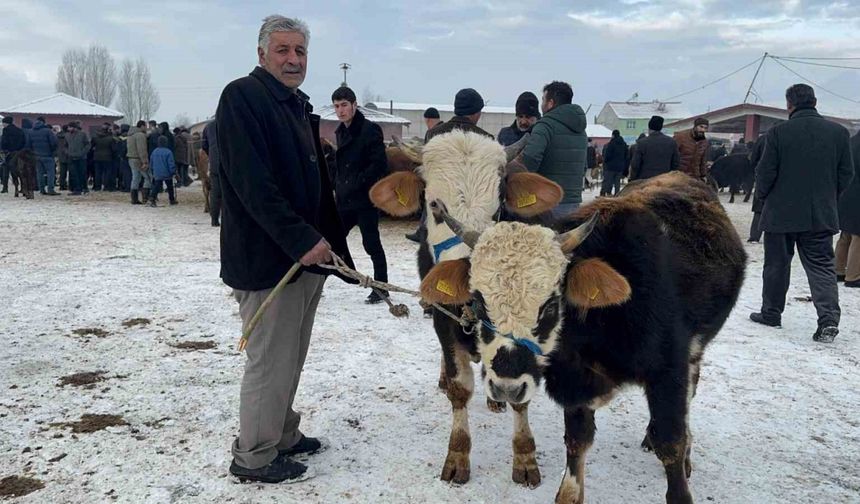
{"points": [[441, 108], [597, 131], [643, 110], [62, 104], [327, 113]]}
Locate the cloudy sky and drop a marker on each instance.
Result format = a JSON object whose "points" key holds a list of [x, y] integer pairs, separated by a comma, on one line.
{"points": [[424, 51]]}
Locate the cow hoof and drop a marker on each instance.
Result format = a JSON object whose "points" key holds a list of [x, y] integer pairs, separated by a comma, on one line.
{"points": [[646, 445], [527, 474], [496, 407], [443, 383], [456, 468]]}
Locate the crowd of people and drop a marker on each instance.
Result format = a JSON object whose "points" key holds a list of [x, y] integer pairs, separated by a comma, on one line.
{"points": [[115, 157]]}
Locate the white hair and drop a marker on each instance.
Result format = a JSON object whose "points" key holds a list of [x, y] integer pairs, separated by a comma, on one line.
{"points": [[276, 23]]}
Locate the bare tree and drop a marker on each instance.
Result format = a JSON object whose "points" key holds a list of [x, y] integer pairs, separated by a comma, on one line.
{"points": [[367, 96], [89, 75], [71, 75], [138, 98]]}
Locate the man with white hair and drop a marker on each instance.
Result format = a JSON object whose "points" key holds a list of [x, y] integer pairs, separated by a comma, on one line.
{"points": [[278, 211]]}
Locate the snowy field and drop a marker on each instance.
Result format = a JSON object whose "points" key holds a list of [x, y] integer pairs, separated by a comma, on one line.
{"points": [[776, 419]]}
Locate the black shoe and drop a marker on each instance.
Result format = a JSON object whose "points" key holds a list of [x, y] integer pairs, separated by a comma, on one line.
{"points": [[853, 283], [375, 298], [306, 446], [75, 193], [216, 224], [840, 278], [761, 319], [279, 470], [135, 200], [428, 312], [174, 202], [4, 190], [42, 192], [53, 193], [415, 237], [752, 240], [152, 203], [825, 334]]}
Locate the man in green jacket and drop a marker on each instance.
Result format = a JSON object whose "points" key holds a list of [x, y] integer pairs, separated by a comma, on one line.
{"points": [[557, 146]]}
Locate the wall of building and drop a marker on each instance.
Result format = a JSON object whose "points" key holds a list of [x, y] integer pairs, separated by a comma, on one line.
{"points": [[489, 122]]}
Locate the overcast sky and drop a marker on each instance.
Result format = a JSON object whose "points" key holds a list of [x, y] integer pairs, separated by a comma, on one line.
{"points": [[425, 51]]}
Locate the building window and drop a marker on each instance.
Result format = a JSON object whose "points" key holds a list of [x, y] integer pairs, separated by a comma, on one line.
{"points": [[631, 124]]}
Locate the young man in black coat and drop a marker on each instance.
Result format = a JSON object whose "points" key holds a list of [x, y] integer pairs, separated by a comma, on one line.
{"points": [[805, 166], [278, 210], [361, 162], [655, 154]]}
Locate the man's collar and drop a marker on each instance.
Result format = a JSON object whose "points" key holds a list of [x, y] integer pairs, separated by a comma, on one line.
{"points": [[277, 88], [804, 111]]}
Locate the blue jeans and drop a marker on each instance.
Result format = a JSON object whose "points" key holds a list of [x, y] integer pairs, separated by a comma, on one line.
{"points": [[102, 174], [78, 175], [136, 175], [46, 169], [562, 211]]}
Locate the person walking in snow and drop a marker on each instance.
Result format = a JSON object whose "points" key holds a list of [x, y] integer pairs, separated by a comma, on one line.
{"points": [[163, 166]]}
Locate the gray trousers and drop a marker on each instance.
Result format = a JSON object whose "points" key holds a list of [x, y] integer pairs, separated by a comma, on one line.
{"points": [[275, 356], [816, 255]]}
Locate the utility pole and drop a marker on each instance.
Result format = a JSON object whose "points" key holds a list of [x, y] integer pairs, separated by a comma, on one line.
{"points": [[749, 90], [345, 67]]}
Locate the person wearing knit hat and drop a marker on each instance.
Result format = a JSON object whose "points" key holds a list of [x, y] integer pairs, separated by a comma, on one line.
{"points": [[693, 148], [528, 112], [468, 104], [13, 141], [431, 119], [655, 154]]}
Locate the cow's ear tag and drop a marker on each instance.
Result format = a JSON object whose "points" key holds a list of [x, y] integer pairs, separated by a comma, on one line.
{"points": [[592, 295], [526, 200], [401, 198], [444, 287]]}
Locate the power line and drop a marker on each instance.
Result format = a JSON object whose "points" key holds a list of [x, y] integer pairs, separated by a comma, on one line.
{"points": [[829, 65], [757, 60], [819, 86], [816, 59]]}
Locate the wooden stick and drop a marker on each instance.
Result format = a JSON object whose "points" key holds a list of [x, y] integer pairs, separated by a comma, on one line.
{"points": [[243, 341]]}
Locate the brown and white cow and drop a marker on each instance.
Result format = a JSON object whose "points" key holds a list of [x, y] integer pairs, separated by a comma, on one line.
{"points": [[467, 172], [630, 292]]}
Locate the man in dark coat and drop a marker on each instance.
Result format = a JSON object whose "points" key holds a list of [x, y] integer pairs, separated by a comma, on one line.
{"points": [[104, 151], [361, 162], [43, 142], [655, 154], [431, 120], [467, 112], [848, 246], [278, 211], [757, 205], [210, 147], [527, 109], [614, 163], [806, 165], [13, 141]]}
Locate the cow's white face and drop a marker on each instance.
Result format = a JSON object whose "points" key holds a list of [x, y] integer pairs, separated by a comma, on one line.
{"points": [[464, 171], [516, 279]]}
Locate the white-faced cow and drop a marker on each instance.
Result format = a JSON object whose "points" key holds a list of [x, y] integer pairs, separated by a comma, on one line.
{"points": [[467, 172], [631, 292]]}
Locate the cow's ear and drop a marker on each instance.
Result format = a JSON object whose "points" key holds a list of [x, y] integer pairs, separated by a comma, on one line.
{"points": [[447, 283], [529, 194], [592, 283], [398, 194]]}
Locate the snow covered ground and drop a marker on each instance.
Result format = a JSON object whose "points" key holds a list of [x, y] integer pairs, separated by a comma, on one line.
{"points": [[777, 417]]}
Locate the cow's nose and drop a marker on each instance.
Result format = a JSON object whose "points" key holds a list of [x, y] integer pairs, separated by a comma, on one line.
{"points": [[507, 393]]}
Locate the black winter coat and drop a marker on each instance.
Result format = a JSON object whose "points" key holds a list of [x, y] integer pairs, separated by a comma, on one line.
{"points": [[755, 157], [511, 134], [361, 162], [13, 139], [806, 165], [849, 202], [210, 146], [277, 199], [615, 155], [655, 155]]}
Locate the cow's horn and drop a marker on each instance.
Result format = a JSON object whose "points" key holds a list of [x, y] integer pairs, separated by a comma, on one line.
{"points": [[470, 238], [513, 150], [576, 236]]}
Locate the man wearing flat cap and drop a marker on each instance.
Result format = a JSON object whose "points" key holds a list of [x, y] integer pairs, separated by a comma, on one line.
{"points": [[693, 149], [528, 113], [467, 111], [655, 154], [431, 120]]}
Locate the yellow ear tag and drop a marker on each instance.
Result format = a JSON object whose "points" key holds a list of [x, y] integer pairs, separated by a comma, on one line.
{"points": [[593, 294], [445, 288], [401, 198], [525, 200]]}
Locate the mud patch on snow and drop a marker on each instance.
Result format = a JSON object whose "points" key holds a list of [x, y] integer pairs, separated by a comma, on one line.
{"points": [[18, 486], [195, 345], [92, 423], [132, 322], [90, 331], [87, 379]]}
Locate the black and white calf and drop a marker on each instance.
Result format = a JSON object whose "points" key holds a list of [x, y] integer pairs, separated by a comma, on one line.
{"points": [[467, 172], [630, 293]]}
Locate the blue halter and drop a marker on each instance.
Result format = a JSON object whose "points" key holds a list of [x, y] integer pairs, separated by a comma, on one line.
{"points": [[525, 343], [446, 245]]}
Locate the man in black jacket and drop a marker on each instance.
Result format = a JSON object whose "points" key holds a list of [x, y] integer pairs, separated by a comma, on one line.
{"points": [[278, 210], [806, 165], [468, 104], [13, 141], [361, 162], [527, 109], [655, 154]]}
